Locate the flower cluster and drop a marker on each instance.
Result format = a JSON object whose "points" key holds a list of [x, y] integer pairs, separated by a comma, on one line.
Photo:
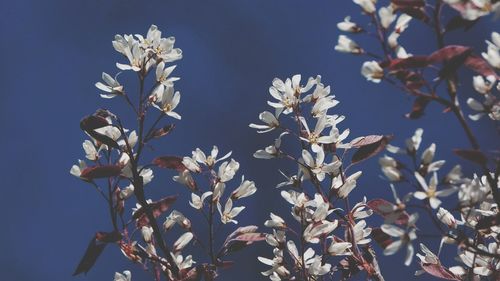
{"points": [[306, 247], [115, 168]]}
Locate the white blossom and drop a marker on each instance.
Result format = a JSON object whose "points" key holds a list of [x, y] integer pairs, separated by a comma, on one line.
{"points": [[229, 212], [372, 71], [346, 45], [430, 190]]}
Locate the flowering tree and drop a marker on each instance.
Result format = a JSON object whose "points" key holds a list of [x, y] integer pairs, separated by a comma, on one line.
{"points": [[119, 174], [435, 78], [327, 235]]}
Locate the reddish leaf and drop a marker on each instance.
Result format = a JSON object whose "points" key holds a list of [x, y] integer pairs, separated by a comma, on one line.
{"points": [[475, 156], [157, 208], [480, 66], [448, 53], [91, 122], [410, 62], [382, 239], [386, 210], [94, 250], [418, 108], [240, 238], [170, 162], [108, 237], [359, 142], [104, 171], [439, 271], [409, 3], [452, 65], [163, 131], [370, 150]]}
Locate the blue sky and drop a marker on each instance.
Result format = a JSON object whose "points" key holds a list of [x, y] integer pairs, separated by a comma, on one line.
{"points": [[54, 52]]}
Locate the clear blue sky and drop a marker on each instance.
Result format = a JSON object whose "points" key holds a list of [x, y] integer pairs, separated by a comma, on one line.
{"points": [[54, 51]]}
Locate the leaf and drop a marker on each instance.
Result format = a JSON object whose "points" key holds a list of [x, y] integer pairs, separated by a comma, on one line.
{"points": [[472, 155], [480, 66], [449, 52], [459, 22], [104, 171], [453, 64], [163, 131], [94, 250], [382, 239], [371, 149], [362, 141], [240, 238], [92, 122], [157, 208], [108, 237], [410, 62], [170, 162], [409, 3], [439, 271], [418, 108], [388, 210]]}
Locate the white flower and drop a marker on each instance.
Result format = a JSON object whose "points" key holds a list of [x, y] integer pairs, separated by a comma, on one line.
{"points": [[402, 23], [322, 105], [288, 93], [197, 201], [430, 190], [91, 152], [218, 191], [185, 178], [275, 222], [346, 45], [147, 233], [229, 212], [245, 189], [316, 266], [348, 185], [492, 55], [412, 144], [315, 138], [368, 6], [318, 167], [227, 170], [271, 151], [162, 75], [126, 276], [176, 217], [348, 26], [446, 217], [361, 233], [314, 231], [112, 87], [76, 170], [372, 71], [182, 241], [387, 16], [390, 169], [277, 271], [136, 57], [181, 262], [211, 159], [166, 100], [405, 239], [483, 86], [270, 120], [339, 248]]}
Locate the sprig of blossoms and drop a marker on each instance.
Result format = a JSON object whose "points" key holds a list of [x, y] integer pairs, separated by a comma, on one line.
{"points": [[115, 168], [308, 247]]}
